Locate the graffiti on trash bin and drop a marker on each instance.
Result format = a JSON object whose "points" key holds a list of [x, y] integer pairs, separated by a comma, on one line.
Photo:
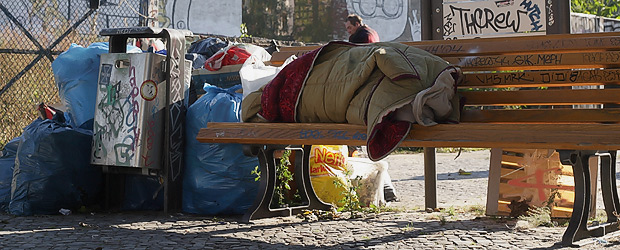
{"points": [[121, 117]]}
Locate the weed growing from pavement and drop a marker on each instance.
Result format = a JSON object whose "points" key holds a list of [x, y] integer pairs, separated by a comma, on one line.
{"points": [[477, 210], [283, 177], [350, 200], [541, 216], [600, 216], [216, 219], [409, 227], [451, 211], [442, 219]]}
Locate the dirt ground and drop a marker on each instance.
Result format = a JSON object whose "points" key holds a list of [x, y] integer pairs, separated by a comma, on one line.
{"points": [[407, 173]]}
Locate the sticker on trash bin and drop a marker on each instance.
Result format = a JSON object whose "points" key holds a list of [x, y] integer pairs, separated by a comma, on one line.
{"points": [[148, 90]]}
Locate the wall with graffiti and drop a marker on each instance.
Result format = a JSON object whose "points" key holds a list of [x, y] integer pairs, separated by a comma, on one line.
{"points": [[467, 19], [202, 17], [585, 23], [394, 20]]}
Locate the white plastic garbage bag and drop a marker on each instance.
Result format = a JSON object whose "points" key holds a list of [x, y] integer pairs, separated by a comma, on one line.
{"points": [[255, 74], [370, 191]]}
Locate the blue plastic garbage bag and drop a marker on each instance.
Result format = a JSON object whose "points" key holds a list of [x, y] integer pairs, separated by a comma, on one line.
{"points": [[53, 171], [217, 178], [143, 193], [198, 60], [77, 72], [7, 164]]}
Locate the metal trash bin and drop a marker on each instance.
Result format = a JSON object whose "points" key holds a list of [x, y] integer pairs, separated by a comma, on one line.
{"points": [[129, 117], [140, 112]]}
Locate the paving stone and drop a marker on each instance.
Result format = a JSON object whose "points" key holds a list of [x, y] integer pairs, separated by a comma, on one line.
{"points": [[383, 231]]}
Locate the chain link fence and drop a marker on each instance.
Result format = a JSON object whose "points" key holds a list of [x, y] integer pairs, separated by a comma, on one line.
{"points": [[34, 33]]}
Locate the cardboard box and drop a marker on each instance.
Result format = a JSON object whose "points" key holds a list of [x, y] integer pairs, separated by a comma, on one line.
{"points": [[226, 77], [533, 176]]}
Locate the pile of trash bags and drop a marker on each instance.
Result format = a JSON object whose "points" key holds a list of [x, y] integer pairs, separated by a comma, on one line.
{"points": [[52, 169], [213, 53], [218, 178], [47, 169]]}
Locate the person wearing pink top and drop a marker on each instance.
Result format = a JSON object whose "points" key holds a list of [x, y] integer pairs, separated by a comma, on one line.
{"points": [[359, 32]]}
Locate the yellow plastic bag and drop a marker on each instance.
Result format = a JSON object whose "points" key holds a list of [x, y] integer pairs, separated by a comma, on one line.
{"points": [[328, 164]]}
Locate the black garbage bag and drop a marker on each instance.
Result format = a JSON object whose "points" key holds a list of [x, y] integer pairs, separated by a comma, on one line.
{"points": [[53, 170], [207, 47], [7, 164], [143, 193]]}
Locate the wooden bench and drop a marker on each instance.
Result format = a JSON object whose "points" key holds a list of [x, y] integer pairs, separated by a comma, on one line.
{"points": [[518, 94]]}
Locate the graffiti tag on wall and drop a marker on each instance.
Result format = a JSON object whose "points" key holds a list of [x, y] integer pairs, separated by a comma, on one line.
{"points": [[202, 17], [467, 19], [390, 18]]}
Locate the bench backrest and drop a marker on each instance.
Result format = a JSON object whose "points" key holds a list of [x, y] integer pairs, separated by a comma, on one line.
{"points": [[534, 79], [520, 92]]}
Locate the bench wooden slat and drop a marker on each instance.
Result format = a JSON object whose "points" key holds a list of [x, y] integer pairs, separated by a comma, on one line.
{"points": [[298, 48], [542, 78], [542, 116], [559, 136], [562, 43], [591, 42], [542, 97], [512, 45], [538, 61], [569, 136]]}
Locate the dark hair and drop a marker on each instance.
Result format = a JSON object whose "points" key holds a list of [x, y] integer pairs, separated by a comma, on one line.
{"points": [[354, 19]]}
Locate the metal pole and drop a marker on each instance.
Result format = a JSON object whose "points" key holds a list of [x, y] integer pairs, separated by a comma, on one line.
{"points": [[430, 179], [558, 17]]}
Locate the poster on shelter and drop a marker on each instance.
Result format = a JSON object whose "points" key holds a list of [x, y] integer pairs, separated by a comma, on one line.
{"points": [[494, 18]]}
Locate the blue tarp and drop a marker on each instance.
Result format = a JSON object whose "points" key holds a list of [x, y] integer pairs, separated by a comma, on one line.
{"points": [[217, 178]]}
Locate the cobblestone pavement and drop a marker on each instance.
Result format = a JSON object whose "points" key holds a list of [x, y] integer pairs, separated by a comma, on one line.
{"points": [[460, 226], [388, 230]]}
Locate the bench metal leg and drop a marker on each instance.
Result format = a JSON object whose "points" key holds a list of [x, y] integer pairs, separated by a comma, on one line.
{"points": [[262, 204], [608, 186], [577, 227], [430, 178]]}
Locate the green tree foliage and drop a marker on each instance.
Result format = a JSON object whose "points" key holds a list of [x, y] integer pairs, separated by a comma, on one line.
{"points": [[313, 19], [605, 8], [267, 18]]}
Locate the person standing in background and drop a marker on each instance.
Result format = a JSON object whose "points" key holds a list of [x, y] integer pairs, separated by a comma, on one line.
{"points": [[359, 32]]}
